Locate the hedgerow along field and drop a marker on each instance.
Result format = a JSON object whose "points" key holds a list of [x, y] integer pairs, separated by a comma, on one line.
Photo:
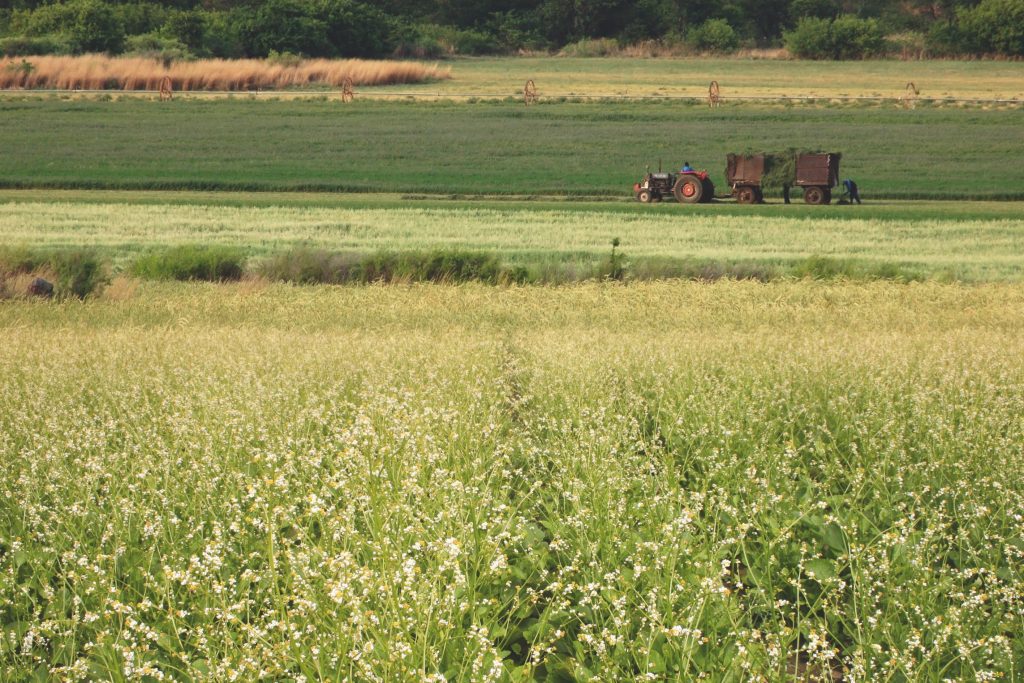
{"points": [[505, 148], [595, 483]]}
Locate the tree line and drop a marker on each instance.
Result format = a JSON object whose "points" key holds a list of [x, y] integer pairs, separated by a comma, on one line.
{"points": [[815, 29]]}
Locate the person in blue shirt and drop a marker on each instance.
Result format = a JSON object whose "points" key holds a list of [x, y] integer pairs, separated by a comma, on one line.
{"points": [[851, 190], [686, 167]]}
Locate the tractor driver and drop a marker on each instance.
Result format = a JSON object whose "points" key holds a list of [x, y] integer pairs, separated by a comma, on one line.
{"points": [[686, 167]]}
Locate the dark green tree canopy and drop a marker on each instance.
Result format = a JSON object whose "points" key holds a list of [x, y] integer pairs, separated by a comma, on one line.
{"points": [[829, 29]]}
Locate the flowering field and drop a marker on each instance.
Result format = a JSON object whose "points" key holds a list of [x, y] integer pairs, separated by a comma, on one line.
{"points": [[977, 241], [599, 482]]}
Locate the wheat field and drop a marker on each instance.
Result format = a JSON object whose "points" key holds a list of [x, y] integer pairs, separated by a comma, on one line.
{"points": [[95, 72]]}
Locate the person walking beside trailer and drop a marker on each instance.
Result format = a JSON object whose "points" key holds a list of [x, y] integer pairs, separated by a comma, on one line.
{"points": [[851, 190]]}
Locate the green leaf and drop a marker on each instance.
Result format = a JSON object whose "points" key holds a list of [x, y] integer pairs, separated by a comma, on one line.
{"points": [[834, 537], [821, 569]]}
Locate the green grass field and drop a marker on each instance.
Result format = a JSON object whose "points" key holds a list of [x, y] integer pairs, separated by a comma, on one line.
{"points": [[975, 241], [502, 148]]}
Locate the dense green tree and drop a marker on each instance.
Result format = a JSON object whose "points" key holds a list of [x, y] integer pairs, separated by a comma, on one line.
{"points": [[356, 30], [435, 27], [994, 26], [285, 26]]}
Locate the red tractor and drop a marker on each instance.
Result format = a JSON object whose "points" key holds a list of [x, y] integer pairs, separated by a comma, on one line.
{"points": [[689, 187]]}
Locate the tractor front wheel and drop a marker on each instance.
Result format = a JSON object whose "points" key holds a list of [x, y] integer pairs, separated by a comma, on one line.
{"points": [[688, 189], [815, 195], [644, 196]]}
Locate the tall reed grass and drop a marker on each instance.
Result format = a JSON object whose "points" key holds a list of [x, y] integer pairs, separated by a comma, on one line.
{"points": [[97, 72]]}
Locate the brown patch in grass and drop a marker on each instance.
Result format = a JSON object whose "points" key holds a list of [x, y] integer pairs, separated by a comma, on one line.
{"points": [[16, 285], [251, 284], [121, 288], [98, 72]]}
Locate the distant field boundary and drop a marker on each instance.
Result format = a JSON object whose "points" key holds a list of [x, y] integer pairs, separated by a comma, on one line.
{"points": [[549, 97], [413, 195]]}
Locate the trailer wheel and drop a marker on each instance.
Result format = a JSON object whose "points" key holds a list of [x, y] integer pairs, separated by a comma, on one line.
{"points": [[814, 195], [709, 191], [644, 196], [746, 195], [688, 189]]}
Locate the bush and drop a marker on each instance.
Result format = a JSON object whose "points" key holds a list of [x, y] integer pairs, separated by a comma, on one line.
{"points": [[187, 27], [285, 59], [811, 39], [993, 26], [431, 266], [157, 46], [944, 40], [845, 37], [714, 35], [18, 46], [357, 30], [308, 266], [433, 41], [285, 26], [591, 47], [141, 17], [191, 263], [96, 28], [78, 272]]}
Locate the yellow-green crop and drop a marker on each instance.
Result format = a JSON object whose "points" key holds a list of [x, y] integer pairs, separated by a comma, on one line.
{"points": [[598, 482]]}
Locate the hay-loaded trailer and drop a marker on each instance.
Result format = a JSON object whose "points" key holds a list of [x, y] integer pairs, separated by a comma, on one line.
{"points": [[816, 173]]}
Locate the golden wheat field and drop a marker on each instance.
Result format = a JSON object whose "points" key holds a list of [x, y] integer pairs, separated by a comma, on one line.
{"points": [[92, 72]]}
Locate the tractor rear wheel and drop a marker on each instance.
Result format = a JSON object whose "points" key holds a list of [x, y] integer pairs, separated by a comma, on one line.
{"points": [[746, 194], [709, 191], [814, 195], [644, 196], [688, 189]]}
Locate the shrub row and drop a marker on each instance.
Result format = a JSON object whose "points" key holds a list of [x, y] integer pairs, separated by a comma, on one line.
{"points": [[304, 265], [79, 273]]}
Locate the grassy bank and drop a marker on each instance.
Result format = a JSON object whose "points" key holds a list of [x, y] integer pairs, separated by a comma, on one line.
{"points": [[553, 241], [598, 482], [489, 148]]}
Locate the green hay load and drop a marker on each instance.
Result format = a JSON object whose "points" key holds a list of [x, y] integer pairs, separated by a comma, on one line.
{"points": [[780, 167]]}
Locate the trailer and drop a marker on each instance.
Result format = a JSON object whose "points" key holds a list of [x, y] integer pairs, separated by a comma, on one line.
{"points": [[817, 173], [743, 172]]}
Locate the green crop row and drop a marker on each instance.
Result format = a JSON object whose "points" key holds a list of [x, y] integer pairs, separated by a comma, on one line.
{"points": [[488, 148]]}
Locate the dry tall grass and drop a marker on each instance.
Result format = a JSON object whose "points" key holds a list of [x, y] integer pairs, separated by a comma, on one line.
{"points": [[95, 72]]}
